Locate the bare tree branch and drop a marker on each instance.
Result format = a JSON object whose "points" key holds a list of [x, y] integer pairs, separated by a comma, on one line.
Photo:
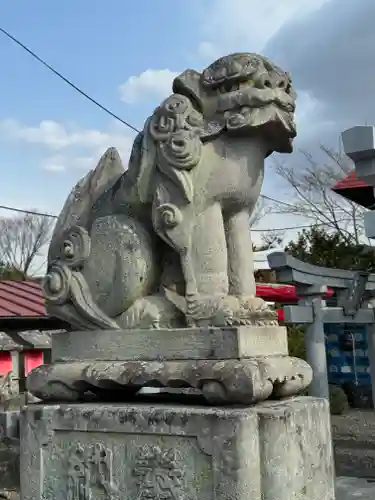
{"points": [[22, 239], [314, 199], [271, 239], [258, 213]]}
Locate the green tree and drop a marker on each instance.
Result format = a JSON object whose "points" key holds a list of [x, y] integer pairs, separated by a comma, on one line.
{"points": [[327, 249], [331, 249]]}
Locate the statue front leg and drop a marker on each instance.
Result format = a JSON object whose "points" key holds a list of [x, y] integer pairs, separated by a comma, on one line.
{"points": [[205, 268], [199, 238], [251, 309], [240, 255]]}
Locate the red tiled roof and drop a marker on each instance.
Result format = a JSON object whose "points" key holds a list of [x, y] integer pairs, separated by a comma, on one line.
{"points": [[21, 299], [349, 182], [356, 190]]}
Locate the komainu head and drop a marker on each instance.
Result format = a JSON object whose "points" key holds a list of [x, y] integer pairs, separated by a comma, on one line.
{"points": [[245, 94]]}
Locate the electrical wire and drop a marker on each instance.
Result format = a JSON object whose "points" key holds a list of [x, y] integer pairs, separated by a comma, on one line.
{"points": [[66, 80], [279, 202], [124, 122], [268, 230], [276, 229], [28, 212]]}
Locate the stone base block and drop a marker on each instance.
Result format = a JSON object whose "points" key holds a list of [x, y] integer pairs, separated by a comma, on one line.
{"points": [[184, 343], [271, 451]]}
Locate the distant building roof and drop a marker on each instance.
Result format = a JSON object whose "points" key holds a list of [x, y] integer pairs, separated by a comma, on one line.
{"points": [[356, 190], [21, 299], [22, 308]]}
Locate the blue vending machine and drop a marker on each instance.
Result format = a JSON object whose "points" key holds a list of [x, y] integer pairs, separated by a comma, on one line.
{"points": [[348, 363]]}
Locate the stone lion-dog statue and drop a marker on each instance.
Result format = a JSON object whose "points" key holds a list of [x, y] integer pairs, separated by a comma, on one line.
{"points": [[167, 243]]}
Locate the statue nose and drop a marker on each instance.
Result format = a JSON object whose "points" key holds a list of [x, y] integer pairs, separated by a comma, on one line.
{"points": [[281, 83], [273, 81]]}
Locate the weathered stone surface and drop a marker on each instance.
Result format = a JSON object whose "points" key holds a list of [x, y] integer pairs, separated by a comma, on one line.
{"points": [[8, 388], [228, 365], [184, 343], [9, 425], [9, 451], [220, 381], [9, 467], [167, 243], [273, 451]]}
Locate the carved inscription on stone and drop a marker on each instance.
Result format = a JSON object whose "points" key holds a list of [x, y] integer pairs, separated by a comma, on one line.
{"points": [[90, 475], [159, 474]]}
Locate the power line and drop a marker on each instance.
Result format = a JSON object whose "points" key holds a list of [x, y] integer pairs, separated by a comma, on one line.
{"points": [[28, 212], [127, 124], [268, 230], [279, 202], [94, 101], [66, 80], [288, 228]]}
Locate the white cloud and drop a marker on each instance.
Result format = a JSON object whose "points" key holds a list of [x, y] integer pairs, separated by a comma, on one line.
{"points": [[247, 25], [88, 162], [57, 136], [250, 26], [207, 50], [54, 164], [61, 162], [71, 147], [154, 83]]}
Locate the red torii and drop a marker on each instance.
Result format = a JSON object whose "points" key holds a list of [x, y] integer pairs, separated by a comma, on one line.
{"points": [[285, 294]]}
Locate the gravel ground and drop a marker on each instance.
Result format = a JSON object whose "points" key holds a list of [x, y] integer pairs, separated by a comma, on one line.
{"points": [[355, 423], [354, 443], [351, 488]]}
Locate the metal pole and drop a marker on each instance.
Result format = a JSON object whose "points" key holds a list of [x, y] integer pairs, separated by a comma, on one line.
{"points": [[316, 352]]}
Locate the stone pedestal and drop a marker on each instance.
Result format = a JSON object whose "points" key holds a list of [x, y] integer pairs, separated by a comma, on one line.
{"points": [[271, 451], [227, 365]]}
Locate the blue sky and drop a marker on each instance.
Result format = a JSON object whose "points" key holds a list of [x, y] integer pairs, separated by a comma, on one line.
{"points": [[124, 53], [96, 44]]}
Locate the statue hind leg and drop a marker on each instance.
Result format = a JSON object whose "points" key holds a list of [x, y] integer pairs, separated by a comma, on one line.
{"points": [[122, 266], [97, 276]]}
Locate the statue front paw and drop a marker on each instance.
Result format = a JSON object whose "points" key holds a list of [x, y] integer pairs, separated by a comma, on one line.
{"points": [[253, 311], [209, 310]]}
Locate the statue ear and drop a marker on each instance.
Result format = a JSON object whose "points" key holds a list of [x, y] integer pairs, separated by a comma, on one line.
{"points": [[189, 84]]}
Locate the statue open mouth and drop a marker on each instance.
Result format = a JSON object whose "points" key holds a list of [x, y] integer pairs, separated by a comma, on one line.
{"points": [[248, 110]]}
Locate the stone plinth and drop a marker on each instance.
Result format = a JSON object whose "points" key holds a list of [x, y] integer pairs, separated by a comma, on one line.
{"points": [[228, 365], [271, 451], [180, 343]]}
